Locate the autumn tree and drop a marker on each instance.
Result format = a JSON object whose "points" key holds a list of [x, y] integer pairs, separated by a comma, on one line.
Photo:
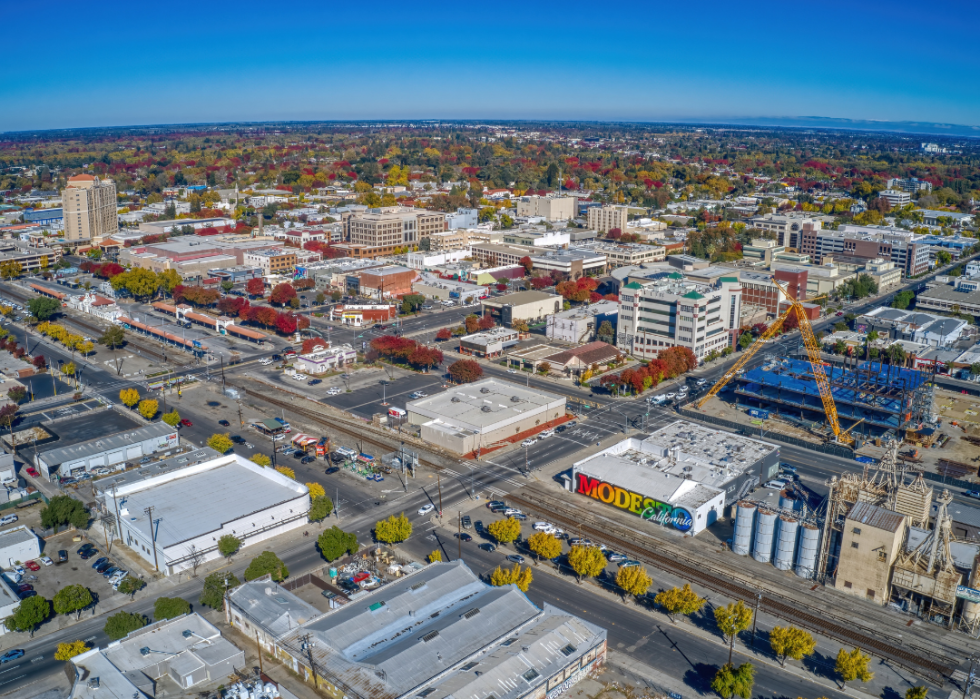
{"points": [[286, 471], [634, 580], [393, 530], [255, 286], [512, 576], [282, 293], [545, 545], [444, 334], [853, 665], [731, 681], [220, 442], [260, 459], [316, 490], [732, 619], [505, 530], [148, 408], [172, 418], [679, 600], [67, 651], [465, 371], [586, 561], [919, 692], [791, 642], [129, 397], [435, 557]]}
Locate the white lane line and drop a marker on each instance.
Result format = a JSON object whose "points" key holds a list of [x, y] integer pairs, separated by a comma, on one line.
{"points": [[20, 677]]}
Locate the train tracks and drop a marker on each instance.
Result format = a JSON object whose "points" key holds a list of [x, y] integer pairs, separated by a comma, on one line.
{"points": [[620, 539]]}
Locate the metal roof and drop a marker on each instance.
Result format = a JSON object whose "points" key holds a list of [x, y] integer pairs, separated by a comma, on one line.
{"points": [[56, 457], [877, 517]]}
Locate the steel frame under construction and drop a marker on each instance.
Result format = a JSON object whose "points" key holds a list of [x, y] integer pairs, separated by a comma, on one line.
{"points": [[881, 395]]}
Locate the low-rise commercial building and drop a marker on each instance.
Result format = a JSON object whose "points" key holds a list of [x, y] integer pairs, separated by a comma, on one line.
{"points": [[198, 224], [537, 239], [579, 325], [468, 417], [625, 254], [531, 306], [193, 507], [927, 329], [488, 344], [326, 359], [575, 263], [963, 295], [17, 546], [681, 476], [272, 261], [109, 452], [386, 282], [363, 314], [550, 208]]}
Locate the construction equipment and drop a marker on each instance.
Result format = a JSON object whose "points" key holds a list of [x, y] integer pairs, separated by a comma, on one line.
{"points": [[846, 432], [813, 353]]}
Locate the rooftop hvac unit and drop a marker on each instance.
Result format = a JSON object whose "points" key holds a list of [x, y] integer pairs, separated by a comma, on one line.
{"points": [[454, 399]]}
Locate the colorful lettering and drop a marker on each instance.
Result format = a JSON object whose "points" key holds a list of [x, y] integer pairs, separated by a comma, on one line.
{"points": [[646, 508], [587, 486]]}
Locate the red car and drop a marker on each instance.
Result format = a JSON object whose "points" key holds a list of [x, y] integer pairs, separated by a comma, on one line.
{"points": [[186, 423], [24, 588], [31, 471], [32, 565], [360, 577]]}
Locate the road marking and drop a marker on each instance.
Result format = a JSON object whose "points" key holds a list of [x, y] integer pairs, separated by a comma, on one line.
{"points": [[38, 658], [13, 680], [90, 638], [10, 669]]}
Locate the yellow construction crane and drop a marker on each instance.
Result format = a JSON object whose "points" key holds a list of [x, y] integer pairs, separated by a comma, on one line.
{"points": [[813, 353]]}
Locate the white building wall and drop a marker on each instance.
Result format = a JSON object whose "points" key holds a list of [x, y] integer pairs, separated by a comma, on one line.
{"points": [[21, 551]]}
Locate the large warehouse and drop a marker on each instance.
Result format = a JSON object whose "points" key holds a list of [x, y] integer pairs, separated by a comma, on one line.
{"points": [[195, 506], [475, 415], [682, 475], [111, 451]]}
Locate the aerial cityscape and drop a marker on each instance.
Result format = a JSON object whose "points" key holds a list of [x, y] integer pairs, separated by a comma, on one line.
{"points": [[672, 393]]}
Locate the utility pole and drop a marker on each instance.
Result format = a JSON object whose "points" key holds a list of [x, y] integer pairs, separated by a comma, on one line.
{"points": [[970, 677], [755, 617], [240, 414], [459, 534], [258, 648], [222, 360], [336, 503], [308, 647], [153, 537], [439, 482], [272, 436]]}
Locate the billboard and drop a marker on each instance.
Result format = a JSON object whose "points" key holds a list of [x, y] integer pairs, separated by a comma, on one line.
{"points": [[644, 507]]}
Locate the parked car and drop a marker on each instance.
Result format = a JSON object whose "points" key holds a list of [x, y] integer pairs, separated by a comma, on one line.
{"points": [[224, 423], [102, 567], [307, 460], [87, 554], [25, 595], [426, 509], [629, 564], [467, 522], [314, 382], [464, 537], [33, 472], [614, 557], [775, 484], [7, 519], [542, 526], [100, 561], [510, 511], [46, 561], [62, 556], [494, 503], [24, 587], [516, 558]]}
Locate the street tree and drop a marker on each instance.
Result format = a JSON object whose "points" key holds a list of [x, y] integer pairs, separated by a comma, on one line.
{"points": [[228, 545], [732, 619], [72, 598], [130, 586], [586, 561], [30, 614], [919, 692], [521, 577], [853, 665], [634, 580], [435, 557], [320, 509], [11, 269], [791, 642], [266, 563], [316, 490], [393, 530], [67, 651], [679, 600], [148, 408], [545, 545], [114, 337], [121, 624], [465, 371], [287, 471], [220, 442], [172, 418], [170, 607], [215, 586], [43, 308], [335, 542], [129, 397], [260, 459], [731, 681], [505, 530]]}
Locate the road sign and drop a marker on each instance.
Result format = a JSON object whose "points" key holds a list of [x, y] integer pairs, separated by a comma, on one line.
{"points": [[967, 593]]}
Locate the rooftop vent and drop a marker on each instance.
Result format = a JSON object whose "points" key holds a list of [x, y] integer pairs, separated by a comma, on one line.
{"points": [[454, 399], [144, 651], [484, 390], [429, 636], [515, 399], [486, 408], [469, 666], [471, 613], [418, 586], [93, 683], [568, 650], [530, 675]]}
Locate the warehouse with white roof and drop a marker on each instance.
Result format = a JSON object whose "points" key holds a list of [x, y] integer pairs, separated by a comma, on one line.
{"points": [[193, 507]]}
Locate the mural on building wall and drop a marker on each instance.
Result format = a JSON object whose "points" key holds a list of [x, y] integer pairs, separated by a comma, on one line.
{"points": [[644, 507]]}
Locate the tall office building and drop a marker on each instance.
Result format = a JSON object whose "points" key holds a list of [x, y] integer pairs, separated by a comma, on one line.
{"points": [[604, 218], [89, 208]]}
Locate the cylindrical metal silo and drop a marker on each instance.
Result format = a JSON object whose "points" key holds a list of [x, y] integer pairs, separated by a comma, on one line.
{"points": [[786, 542], [765, 530], [744, 519], [971, 610], [788, 501], [806, 553]]}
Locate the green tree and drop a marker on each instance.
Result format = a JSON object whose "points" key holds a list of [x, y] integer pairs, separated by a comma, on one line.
{"points": [[220, 442], [130, 586], [505, 530], [545, 545], [64, 509], [943, 258], [902, 299], [266, 563], [320, 509], [228, 545], [114, 337], [634, 580], [394, 529], [586, 561], [43, 308], [215, 586], [512, 576], [170, 607], [261, 459], [732, 619], [72, 598], [335, 542], [679, 600], [853, 666], [121, 624], [28, 615], [791, 642], [744, 340], [172, 418], [731, 681]]}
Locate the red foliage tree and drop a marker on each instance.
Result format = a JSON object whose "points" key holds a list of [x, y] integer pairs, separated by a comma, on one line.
{"points": [[282, 293], [39, 362], [108, 270], [393, 346], [465, 371], [594, 297], [444, 334], [303, 284], [302, 322], [614, 233], [286, 323], [540, 282], [501, 287], [485, 323], [255, 286], [472, 323], [527, 264], [263, 315], [611, 297], [231, 305], [312, 344], [425, 357]]}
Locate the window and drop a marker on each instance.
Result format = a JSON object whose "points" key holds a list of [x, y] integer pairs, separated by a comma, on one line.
{"points": [[530, 675], [854, 544], [568, 650], [871, 593], [847, 585], [856, 531]]}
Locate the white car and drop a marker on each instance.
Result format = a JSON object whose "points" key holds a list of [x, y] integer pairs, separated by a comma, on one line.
{"points": [[528, 442], [775, 484], [7, 519], [512, 371], [46, 561], [546, 433], [426, 509], [334, 391], [265, 362], [542, 526], [511, 511], [670, 396]]}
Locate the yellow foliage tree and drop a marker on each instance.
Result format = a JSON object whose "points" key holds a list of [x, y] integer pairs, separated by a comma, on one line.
{"points": [[679, 600], [394, 529], [634, 580], [67, 651], [505, 530], [129, 397], [316, 490], [853, 666], [435, 557], [512, 576], [791, 642], [586, 561], [286, 471], [732, 619], [68, 368], [148, 408], [261, 460], [545, 545], [220, 443]]}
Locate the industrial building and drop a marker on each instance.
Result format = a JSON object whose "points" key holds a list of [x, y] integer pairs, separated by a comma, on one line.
{"points": [[885, 397], [111, 451], [437, 633], [531, 306], [168, 657], [18, 545], [474, 415], [682, 475], [191, 508]]}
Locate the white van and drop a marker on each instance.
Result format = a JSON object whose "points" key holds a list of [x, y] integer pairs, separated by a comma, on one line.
{"points": [[265, 362]]}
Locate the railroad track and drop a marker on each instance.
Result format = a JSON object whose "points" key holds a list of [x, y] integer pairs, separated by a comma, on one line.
{"points": [[600, 530]]}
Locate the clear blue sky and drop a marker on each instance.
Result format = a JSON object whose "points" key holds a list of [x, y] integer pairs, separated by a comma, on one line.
{"points": [[71, 64]]}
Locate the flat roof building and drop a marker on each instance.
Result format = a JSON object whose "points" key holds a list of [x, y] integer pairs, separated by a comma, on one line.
{"points": [[523, 305], [89, 205], [467, 417], [195, 506], [111, 451]]}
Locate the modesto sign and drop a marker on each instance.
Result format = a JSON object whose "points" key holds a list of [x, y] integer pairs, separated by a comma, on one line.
{"points": [[644, 507]]}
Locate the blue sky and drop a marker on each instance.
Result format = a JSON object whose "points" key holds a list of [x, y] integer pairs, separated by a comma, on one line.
{"points": [[112, 63]]}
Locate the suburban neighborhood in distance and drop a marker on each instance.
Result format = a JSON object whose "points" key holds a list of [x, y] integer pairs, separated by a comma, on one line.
{"points": [[348, 359]]}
